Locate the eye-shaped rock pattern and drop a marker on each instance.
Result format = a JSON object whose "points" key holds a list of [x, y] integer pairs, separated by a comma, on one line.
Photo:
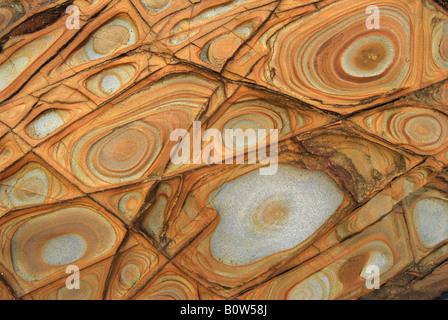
{"points": [[271, 215], [370, 163], [92, 282], [290, 208], [124, 147], [169, 284], [31, 184], [342, 64], [246, 111], [12, 148], [110, 38], [22, 59], [228, 149], [136, 263], [421, 130], [426, 211], [345, 270], [38, 246], [354, 59]]}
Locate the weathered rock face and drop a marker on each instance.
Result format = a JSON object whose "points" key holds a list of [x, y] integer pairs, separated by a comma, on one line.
{"points": [[268, 149]]}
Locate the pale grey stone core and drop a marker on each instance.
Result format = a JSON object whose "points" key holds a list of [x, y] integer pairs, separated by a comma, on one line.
{"points": [[263, 215], [431, 221]]}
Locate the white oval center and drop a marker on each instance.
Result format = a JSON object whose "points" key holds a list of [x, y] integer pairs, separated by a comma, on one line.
{"points": [[64, 249], [263, 215], [110, 84]]}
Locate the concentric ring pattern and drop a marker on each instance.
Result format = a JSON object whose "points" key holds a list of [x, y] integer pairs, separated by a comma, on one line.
{"points": [[223, 150], [341, 62]]}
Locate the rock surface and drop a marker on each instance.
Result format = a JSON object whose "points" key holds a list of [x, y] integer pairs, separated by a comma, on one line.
{"points": [[339, 181]]}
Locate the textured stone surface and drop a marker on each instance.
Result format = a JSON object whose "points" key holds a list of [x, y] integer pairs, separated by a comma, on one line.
{"points": [[89, 108]]}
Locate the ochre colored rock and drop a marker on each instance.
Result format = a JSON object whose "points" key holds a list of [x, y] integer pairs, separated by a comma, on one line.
{"points": [[216, 149]]}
